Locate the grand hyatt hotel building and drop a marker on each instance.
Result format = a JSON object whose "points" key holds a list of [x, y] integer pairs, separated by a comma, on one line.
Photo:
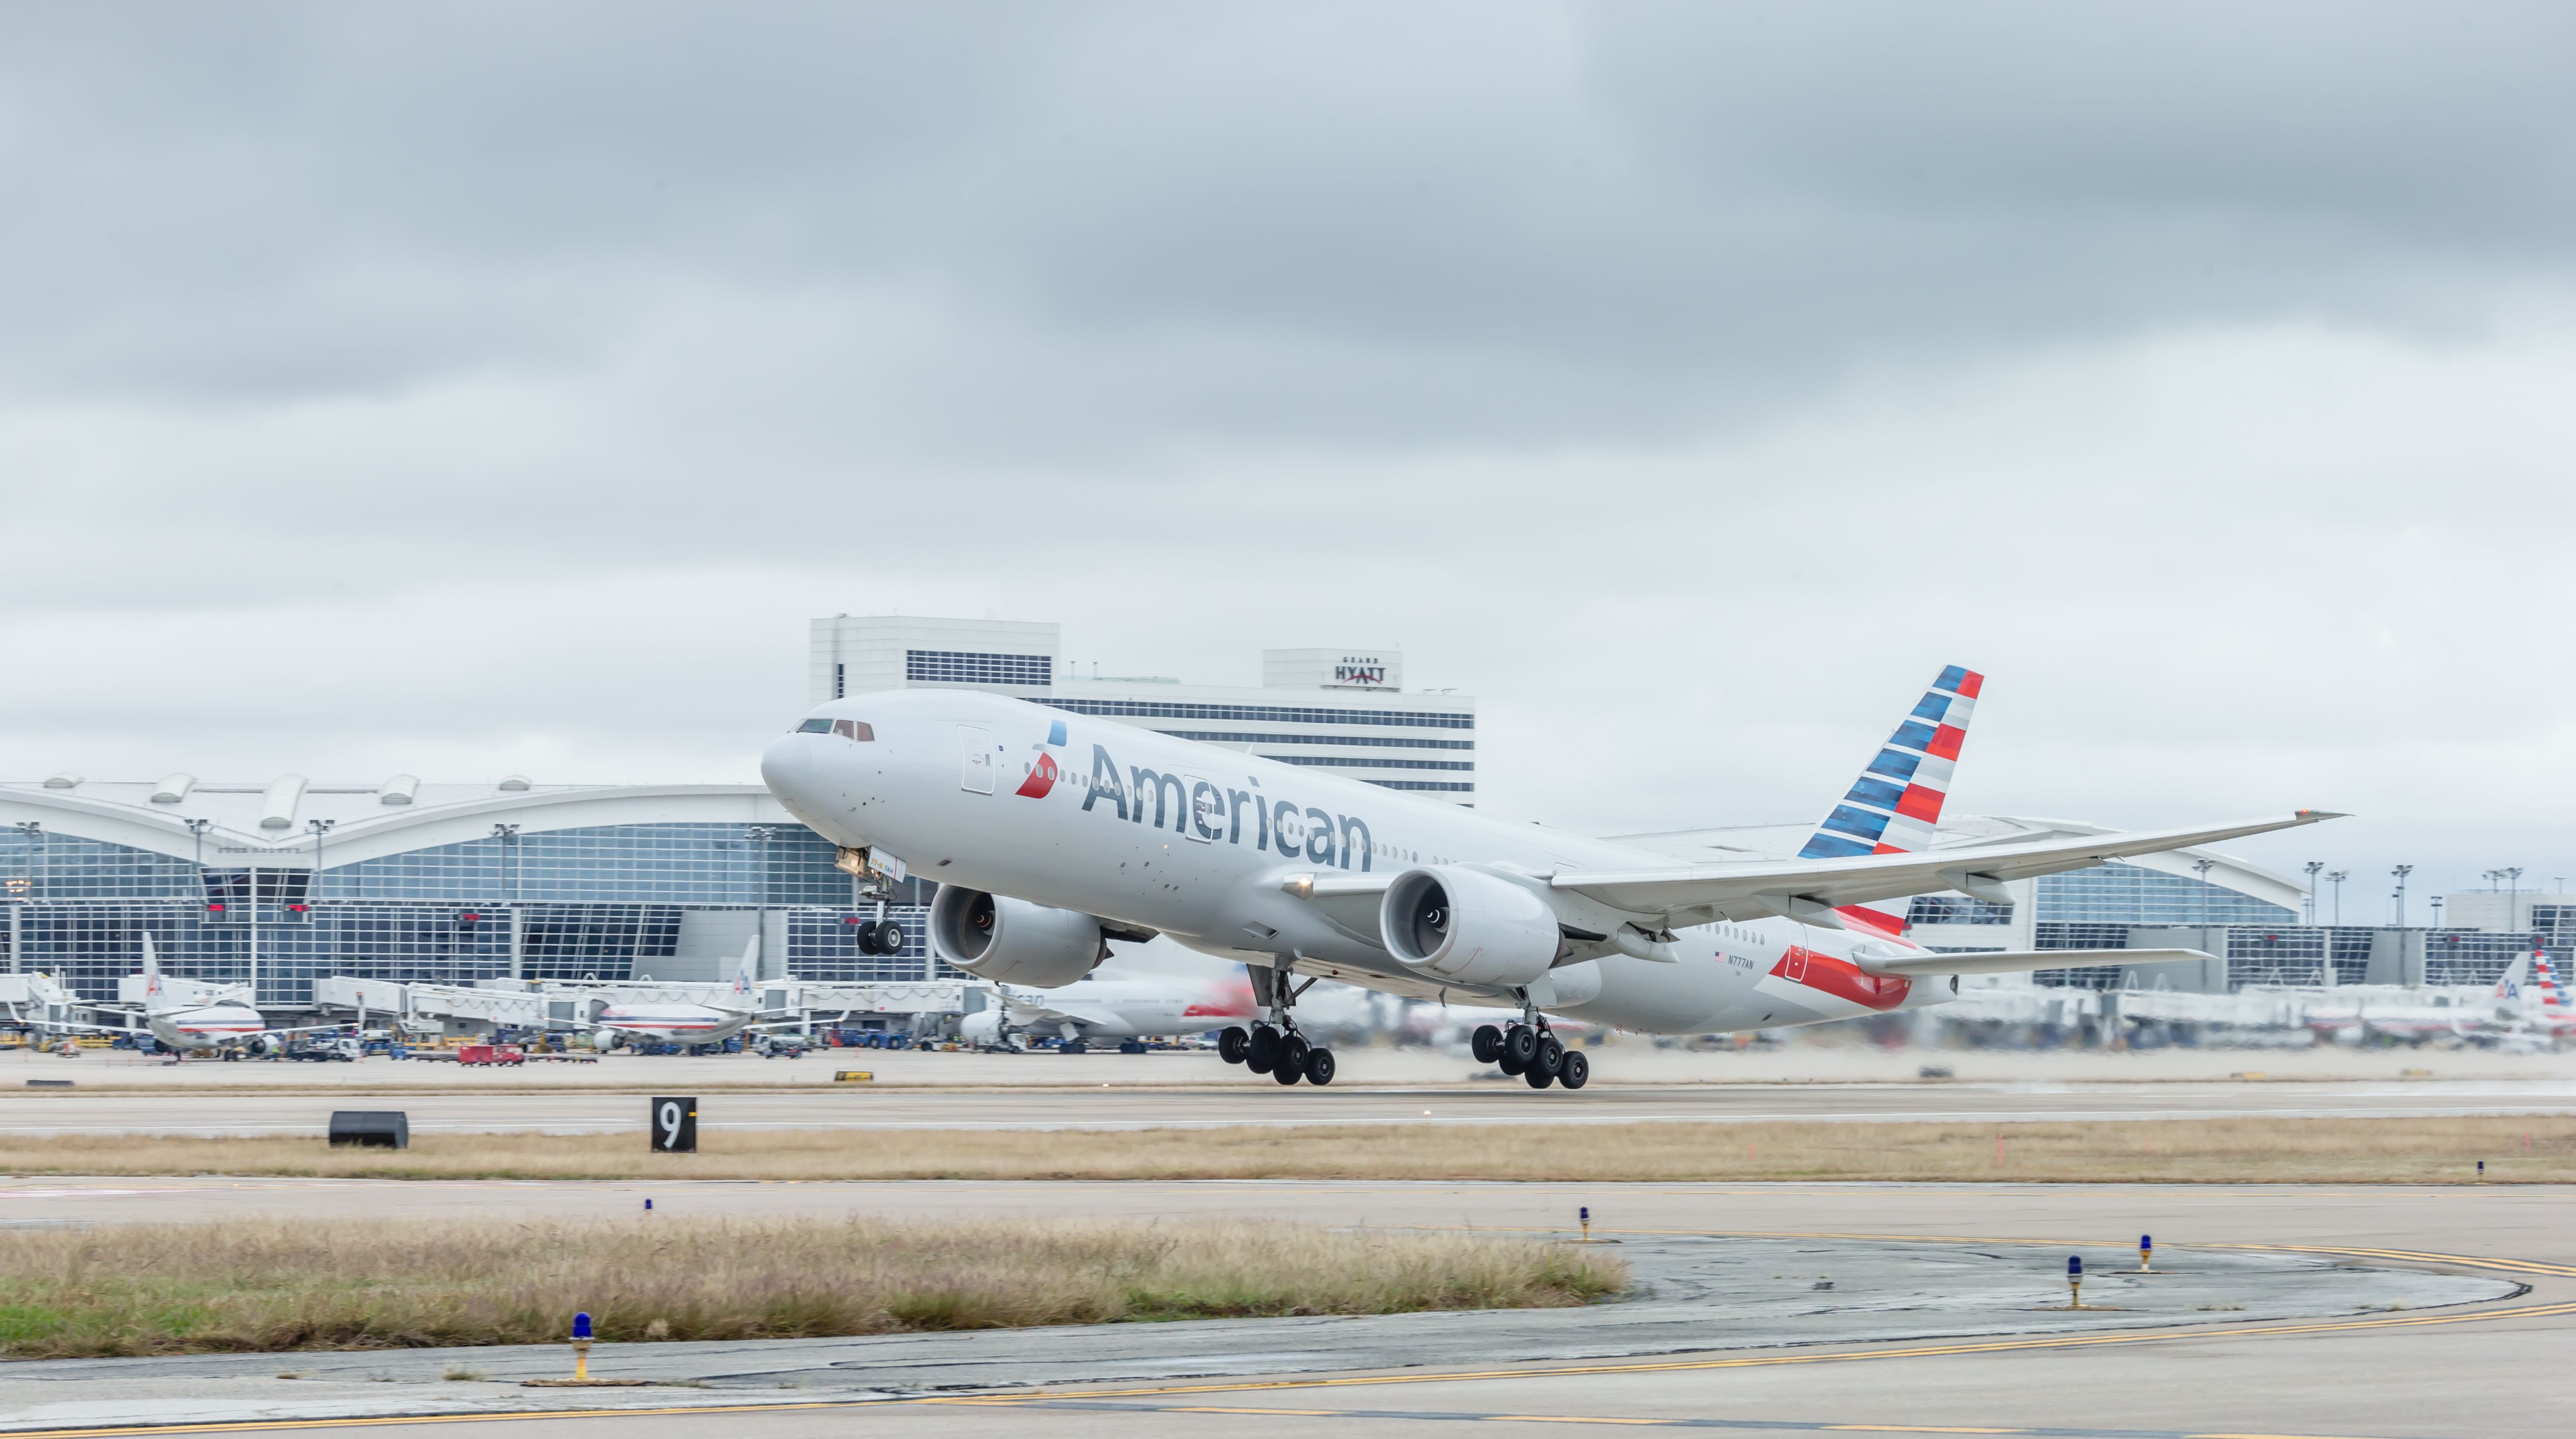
{"points": [[1342, 709]]}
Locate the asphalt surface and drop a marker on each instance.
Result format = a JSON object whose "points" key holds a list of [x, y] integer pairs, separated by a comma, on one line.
{"points": [[2365, 1311], [1255, 1101]]}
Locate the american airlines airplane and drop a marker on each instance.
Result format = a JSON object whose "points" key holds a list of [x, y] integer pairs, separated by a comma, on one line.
{"points": [[1050, 833], [638, 1024], [1107, 1006]]}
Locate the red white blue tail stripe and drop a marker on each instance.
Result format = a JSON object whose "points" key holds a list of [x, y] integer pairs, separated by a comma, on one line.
{"points": [[1894, 805]]}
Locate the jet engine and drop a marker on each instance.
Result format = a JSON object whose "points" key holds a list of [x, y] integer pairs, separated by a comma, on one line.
{"points": [[1467, 927], [1012, 941], [265, 1045]]}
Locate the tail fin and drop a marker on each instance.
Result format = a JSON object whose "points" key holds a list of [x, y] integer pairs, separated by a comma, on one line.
{"points": [[748, 972], [2548, 979], [1893, 806], [151, 974], [2517, 974]]}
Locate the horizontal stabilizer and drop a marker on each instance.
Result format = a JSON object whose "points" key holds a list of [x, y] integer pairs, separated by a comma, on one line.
{"points": [[2018, 961]]}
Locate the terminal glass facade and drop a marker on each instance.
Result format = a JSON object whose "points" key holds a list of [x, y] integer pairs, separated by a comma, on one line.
{"points": [[2134, 894], [605, 902]]}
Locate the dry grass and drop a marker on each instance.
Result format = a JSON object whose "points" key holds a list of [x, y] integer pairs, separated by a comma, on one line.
{"points": [[2227, 1150], [275, 1285]]}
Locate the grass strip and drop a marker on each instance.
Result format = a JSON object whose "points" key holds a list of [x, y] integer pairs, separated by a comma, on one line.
{"points": [[263, 1285], [2217, 1150]]}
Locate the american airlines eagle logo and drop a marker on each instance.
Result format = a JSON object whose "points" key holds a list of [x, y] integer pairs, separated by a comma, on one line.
{"points": [[1041, 780]]}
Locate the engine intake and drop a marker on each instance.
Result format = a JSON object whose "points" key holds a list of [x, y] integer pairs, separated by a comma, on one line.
{"points": [[1012, 941], [1468, 927]]}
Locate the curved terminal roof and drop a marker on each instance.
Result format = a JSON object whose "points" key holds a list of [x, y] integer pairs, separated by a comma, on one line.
{"points": [[366, 821]]}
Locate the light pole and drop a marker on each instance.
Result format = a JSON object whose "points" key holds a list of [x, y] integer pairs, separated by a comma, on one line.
{"points": [[2401, 872], [2202, 867], [761, 835], [508, 835], [320, 827], [2336, 878], [2313, 866], [34, 830], [2513, 899]]}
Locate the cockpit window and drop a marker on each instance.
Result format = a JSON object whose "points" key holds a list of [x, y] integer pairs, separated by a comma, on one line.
{"points": [[853, 729], [816, 725]]}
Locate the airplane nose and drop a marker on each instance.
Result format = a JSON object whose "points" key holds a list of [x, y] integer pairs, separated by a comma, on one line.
{"points": [[785, 765]]}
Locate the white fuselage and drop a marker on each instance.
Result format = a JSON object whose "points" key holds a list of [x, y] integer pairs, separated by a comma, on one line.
{"points": [[206, 1026], [1197, 842], [672, 1023], [1101, 1007]]}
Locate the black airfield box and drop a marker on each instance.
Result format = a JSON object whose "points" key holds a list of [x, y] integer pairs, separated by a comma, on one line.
{"points": [[371, 1128]]}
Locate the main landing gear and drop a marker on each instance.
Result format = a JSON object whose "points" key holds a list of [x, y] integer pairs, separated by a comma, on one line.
{"points": [[1531, 1050], [1277, 1050]]}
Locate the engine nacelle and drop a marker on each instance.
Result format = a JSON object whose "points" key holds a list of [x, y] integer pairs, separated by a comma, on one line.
{"points": [[265, 1045], [1011, 941], [1467, 927]]}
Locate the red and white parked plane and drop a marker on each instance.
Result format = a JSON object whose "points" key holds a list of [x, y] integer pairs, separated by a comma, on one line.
{"points": [[631, 1024], [1104, 1006], [1050, 831]]}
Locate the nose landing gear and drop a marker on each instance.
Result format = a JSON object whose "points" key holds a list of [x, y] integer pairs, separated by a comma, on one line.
{"points": [[1276, 1049]]}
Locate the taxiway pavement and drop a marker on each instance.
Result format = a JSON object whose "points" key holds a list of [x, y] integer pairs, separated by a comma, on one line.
{"points": [[1251, 1100]]}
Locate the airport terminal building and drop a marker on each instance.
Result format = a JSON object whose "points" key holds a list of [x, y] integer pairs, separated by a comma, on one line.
{"points": [[277, 884]]}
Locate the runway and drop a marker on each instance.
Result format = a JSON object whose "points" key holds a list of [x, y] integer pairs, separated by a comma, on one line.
{"points": [[1941, 1317], [1253, 1101]]}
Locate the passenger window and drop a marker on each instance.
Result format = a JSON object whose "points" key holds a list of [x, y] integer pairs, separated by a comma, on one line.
{"points": [[816, 725]]}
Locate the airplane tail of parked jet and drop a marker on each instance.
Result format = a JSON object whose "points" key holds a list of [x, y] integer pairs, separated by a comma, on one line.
{"points": [[747, 973], [152, 992], [1895, 803]]}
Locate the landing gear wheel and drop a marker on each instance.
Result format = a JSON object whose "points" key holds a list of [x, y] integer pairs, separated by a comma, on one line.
{"points": [[1231, 1042], [1319, 1066], [1550, 1059], [1507, 1064], [889, 936], [1261, 1050], [1290, 1066], [1486, 1044], [1577, 1071], [1520, 1044], [1538, 1078]]}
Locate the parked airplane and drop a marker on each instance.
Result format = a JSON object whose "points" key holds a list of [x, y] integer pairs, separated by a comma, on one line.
{"points": [[1049, 832], [225, 1025], [635, 1024], [1106, 1006]]}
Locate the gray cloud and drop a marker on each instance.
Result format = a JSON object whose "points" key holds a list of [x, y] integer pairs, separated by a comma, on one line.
{"points": [[493, 388]]}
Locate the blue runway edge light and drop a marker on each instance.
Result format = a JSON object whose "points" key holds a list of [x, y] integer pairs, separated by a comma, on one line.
{"points": [[581, 1325]]}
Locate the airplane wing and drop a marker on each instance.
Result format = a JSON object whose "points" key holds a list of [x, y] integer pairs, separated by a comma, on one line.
{"points": [[2018, 961], [1812, 889]]}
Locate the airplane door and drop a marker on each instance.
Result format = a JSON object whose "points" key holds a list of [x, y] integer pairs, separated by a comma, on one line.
{"points": [[1793, 965], [976, 752]]}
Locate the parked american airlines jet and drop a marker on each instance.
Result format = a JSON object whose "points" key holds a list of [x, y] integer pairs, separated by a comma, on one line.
{"points": [[1048, 831], [1102, 1005], [632, 1024]]}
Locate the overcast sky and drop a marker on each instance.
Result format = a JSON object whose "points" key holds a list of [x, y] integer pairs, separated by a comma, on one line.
{"points": [[463, 390]]}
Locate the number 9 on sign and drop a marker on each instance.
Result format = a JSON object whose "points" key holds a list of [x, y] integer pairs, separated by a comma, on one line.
{"points": [[675, 1126]]}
